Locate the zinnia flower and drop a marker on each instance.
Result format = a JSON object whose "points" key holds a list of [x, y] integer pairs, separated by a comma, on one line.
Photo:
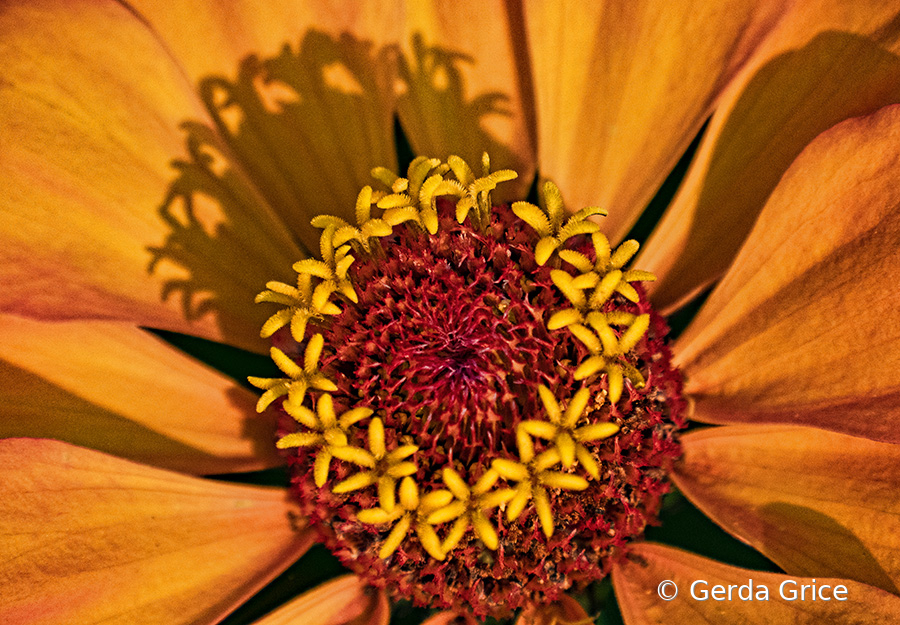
{"points": [[790, 207]]}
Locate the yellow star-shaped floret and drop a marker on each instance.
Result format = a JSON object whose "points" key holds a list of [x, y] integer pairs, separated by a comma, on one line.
{"points": [[602, 277], [300, 308], [331, 271], [475, 193], [534, 477], [386, 467], [607, 349], [327, 431], [366, 227], [410, 199], [470, 507], [413, 511], [562, 431], [548, 222], [299, 378]]}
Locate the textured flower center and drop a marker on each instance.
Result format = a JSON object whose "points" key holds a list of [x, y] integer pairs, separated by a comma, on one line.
{"points": [[478, 403]]}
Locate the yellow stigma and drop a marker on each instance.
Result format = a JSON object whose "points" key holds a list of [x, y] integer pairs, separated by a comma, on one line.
{"points": [[562, 431], [413, 511], [299, 379], [325, 431], [385, 467], [470, 508], [548, 223]]}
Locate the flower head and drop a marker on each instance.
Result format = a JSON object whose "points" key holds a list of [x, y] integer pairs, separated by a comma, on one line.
{"points": [[448, 339], [470, 384]]}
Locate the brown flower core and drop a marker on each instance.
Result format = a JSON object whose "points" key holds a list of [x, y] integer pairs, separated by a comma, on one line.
{"points": [[478, 429]]}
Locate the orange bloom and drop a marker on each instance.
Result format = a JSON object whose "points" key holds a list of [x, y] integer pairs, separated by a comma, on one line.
{"points": [[789, 207]]}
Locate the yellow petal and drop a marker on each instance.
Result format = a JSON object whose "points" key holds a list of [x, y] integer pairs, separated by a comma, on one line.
{"points": [[395, 538], [589, 367], [341, 601], [322, 466], [355, 455], [484, 530], [402, 469], [510, 469], [299, 439], [821, 69], [566, 447], [456, 534], [376, 438], [455, 483], [596, 431], [634, 333], [587, 461], [576, 406], [377, 516], [123, 541], [435, 499], [325, 411], [563, 318], [805, 328], [592, 64], [387, 493], [409, 494], [544, 512], [614, 383], [430, 541], [485, 482], [118, 389], [94, 218], [358, 481], [544, 249], [285, 363], [566, 481], [815, 502], [466, 87], [636, 581], [447, 513], [518, 502], [541, 429], [548, 399]]}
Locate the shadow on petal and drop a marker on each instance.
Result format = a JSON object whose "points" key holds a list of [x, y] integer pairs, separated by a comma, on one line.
{"points": [[293, 136], [828, 536]]}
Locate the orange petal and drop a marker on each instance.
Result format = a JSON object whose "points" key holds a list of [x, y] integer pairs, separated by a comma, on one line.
{"points": [[799, 86], [637, 579], [466, 86], [450, 618], [566, 611], [301, 91], [211, 38], [118, 389], [91, 538], [815, 502], [95, 221], [622, 88], [341, 601], [805, 327]]}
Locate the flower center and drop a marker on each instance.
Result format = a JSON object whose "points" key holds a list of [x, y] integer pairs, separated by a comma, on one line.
{"points": [[478, 404]]}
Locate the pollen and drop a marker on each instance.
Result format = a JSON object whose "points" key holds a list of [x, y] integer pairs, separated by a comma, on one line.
{"points": [[478, 406]]}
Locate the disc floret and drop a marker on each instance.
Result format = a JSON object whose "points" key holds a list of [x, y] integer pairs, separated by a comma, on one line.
{"points": [[502, 383], [299, 378], [326, 432]]}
